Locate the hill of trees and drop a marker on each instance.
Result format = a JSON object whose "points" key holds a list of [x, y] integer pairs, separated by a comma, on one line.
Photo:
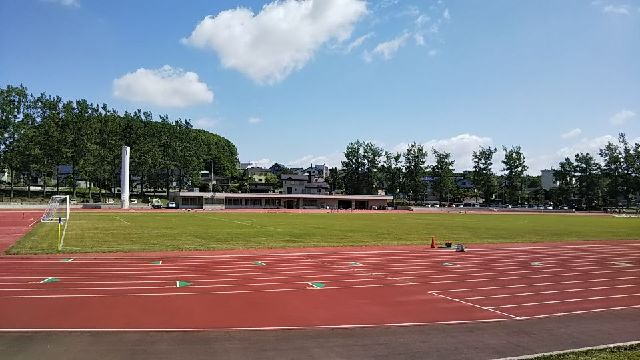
{"points": [[40, 133]]}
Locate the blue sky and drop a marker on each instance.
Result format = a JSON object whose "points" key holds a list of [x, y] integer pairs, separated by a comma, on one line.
{"points": [[295, 82]]}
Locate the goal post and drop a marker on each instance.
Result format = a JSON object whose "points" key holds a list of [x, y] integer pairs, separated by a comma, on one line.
{"points": [[57, 210]]}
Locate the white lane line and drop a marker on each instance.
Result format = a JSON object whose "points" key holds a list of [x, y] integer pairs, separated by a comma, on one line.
{"points": [[550, 292], [541, 284], [474, 305], [568, 300], [580, 312]]}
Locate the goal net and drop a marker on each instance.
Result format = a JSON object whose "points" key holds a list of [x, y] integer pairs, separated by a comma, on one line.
{"points": [[57, 209]]}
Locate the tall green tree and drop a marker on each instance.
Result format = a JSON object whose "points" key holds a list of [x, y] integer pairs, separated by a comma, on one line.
{"points": [[588, 180], [514, 168], [442, 172], [565, 175], [391, 171], [484, 179], [360, 167], [415, 170]]}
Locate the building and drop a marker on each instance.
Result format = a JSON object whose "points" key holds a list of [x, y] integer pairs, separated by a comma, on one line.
{"points": [[303, 184], [548, 180], [201, 200], [317, 171], [258, 174]]}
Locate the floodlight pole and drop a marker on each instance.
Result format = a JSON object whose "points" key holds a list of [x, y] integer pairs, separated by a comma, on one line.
{"points": [[124, 178]]}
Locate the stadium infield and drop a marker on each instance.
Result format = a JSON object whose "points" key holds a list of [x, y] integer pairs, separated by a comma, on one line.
{"points": [[95, 232]]}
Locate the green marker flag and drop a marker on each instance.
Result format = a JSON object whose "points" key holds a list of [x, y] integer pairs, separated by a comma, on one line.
{"points": [[67, 260], [355, 264], [447, 264], [49, 280], [259, 263], [159, 262], [181, 283], [316, 285]]}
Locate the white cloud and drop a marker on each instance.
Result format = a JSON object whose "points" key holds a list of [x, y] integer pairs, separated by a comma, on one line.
{"points": [[268, 46], [622, 117], [387, 49], [433, 52], [163, 87], [331, 160], [254, 120], [70, 3], [446, 15], [357, 42], [263, 163], [585, 145], [206, 123], [572, 133], [461, 148], [616, 9]]}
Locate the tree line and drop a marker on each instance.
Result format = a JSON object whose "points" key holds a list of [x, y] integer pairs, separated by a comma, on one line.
{"points": [[581, 183], [41, 133]]}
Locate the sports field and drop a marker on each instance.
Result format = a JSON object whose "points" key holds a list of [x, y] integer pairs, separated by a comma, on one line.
{"points": [[148, 231]]}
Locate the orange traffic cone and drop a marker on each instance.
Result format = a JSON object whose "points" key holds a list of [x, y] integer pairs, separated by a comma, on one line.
{"points": [[433, 242]]}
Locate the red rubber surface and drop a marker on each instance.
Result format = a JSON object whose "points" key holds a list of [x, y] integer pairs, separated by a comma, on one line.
{"points": [[362, 286]]}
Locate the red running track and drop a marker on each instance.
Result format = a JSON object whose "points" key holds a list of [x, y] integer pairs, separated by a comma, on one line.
{"points": [[378, 286], [273, 289]]}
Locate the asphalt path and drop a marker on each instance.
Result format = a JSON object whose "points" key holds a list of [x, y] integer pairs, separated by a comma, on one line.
{"points": [[462, 341]]}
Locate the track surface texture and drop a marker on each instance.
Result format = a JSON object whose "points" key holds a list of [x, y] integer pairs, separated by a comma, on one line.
{"points": [[311, 288]]}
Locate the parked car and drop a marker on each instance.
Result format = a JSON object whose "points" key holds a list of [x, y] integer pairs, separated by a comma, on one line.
{"points": [[156, 204], [172, 205]]}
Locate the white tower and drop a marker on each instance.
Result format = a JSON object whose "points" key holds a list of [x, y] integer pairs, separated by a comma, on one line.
{"points": [[124, 178]]}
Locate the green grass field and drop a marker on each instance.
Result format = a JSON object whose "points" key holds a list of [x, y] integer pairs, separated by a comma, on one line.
{"points": [[629, 352], [111, 232]]}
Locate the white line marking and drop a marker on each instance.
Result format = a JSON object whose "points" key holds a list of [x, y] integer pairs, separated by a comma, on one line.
{"points": [[474, 305]]}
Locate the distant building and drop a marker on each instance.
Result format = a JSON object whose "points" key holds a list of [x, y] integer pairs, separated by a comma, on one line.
{"points": [[303, 184], [258, 174], [548, 180], [318, 171]]}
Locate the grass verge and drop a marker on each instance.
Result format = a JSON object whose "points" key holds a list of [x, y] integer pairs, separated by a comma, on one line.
{"points": [[137, 231]]}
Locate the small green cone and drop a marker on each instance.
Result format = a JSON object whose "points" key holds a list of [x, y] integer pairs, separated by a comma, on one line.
{"points": [[259, 263], [49, 280], [181, 283], [316, 285], [159, 262]]}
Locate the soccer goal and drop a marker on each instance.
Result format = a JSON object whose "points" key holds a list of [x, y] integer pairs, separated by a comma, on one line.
{"points": [[58, 212]]}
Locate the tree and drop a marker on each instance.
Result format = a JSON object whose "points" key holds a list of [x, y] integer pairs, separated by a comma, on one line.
{"points": [[334, 179], [360, 167], [514, 170], [14, 102], [613, 172], [442, 172], [484, 180], [415, 159], [391, 171], [588, 181], [565, 176]]}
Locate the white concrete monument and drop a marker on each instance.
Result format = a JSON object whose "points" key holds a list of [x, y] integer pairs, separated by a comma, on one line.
{"points": [[124, 178]]}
